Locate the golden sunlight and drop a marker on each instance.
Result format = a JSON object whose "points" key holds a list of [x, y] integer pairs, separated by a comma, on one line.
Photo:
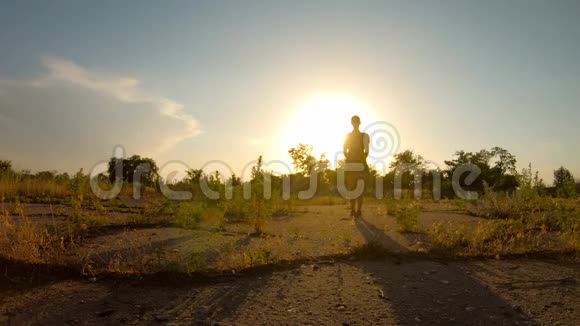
{"points": [[323, 122]]}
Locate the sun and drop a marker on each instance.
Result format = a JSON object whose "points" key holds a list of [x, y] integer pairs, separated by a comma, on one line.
{"points": [[323, 122]]}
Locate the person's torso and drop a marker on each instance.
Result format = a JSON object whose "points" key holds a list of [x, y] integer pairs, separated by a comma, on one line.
{"points": [[356, 146]]}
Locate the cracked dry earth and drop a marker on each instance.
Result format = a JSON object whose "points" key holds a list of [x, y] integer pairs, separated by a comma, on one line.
{"points": [[368, 292]]}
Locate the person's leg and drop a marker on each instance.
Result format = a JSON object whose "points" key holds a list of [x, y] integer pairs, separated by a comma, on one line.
{"points": [[348, 183], [359, 206], [359, 200]]}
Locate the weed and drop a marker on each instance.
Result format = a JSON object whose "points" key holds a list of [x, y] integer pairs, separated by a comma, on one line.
{"points": [[445, 239], [496, 237], [196, 262], [259, 215], [78, 187], [406, 215], [28, 242], [236, 210], [258, 256], [346, 238]]}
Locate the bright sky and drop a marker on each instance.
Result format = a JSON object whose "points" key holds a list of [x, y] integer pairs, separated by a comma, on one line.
{"points": [[230, 80]]}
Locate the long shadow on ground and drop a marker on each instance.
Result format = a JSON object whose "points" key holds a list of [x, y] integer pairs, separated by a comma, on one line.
{"points": [[432, 292], [372, 234]]}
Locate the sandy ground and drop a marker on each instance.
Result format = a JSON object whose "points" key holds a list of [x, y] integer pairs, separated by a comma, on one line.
{"points": [[374, 292], [340, 291]]}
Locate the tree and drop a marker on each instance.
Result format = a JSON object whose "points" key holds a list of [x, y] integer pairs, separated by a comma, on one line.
{"points": [[235, 180], [193, 175], [5, 166], [406, 165], [257, 170], [46, 175], [530, 182], [303, 159], [134, 166], [407, 158], [564, 183], [505, 161], [500, 177]]}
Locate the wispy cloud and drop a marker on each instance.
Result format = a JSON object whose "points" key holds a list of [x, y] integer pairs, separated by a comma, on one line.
{"points": [[123, 89], [72, 116]]}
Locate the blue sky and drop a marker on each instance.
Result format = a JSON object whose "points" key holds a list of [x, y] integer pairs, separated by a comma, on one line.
{"points": [[222, 80]]}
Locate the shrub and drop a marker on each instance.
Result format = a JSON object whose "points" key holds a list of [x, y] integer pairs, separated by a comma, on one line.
{"points": [[498, 205], [236, 210], [28, 242], [258, 256], [259, 215], [188, 214], [502, 236], [444, 238], [560, 218], [195, 262], [406, 215], [13, 185]]}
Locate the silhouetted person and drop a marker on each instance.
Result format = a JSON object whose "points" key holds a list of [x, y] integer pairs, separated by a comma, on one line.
{"points": [[356, 150]]}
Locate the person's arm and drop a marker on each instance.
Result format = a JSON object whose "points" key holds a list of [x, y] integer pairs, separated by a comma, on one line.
{"points": [[366, 142], [345, 147]]}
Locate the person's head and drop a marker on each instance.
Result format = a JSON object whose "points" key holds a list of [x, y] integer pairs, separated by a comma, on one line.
{"points": [[355, 121]]}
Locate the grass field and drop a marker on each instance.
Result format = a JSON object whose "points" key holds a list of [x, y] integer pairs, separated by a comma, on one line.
{"points": [[155, 235]]}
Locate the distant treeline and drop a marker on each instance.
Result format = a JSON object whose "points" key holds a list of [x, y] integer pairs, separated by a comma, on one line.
{"points": [[497, 168]]}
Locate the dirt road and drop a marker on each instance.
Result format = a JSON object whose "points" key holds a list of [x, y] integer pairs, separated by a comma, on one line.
{"points": [[379, 292], [348, 291]]}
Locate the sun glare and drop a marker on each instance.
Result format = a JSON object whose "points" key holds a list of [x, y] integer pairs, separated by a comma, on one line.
{"points": [[324, 121]]}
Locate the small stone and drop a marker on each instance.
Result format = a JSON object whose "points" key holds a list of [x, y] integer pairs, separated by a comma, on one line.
{"points": [[381, 294], [469, 309], [93, 279], [417, 319], [445, 282]]}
